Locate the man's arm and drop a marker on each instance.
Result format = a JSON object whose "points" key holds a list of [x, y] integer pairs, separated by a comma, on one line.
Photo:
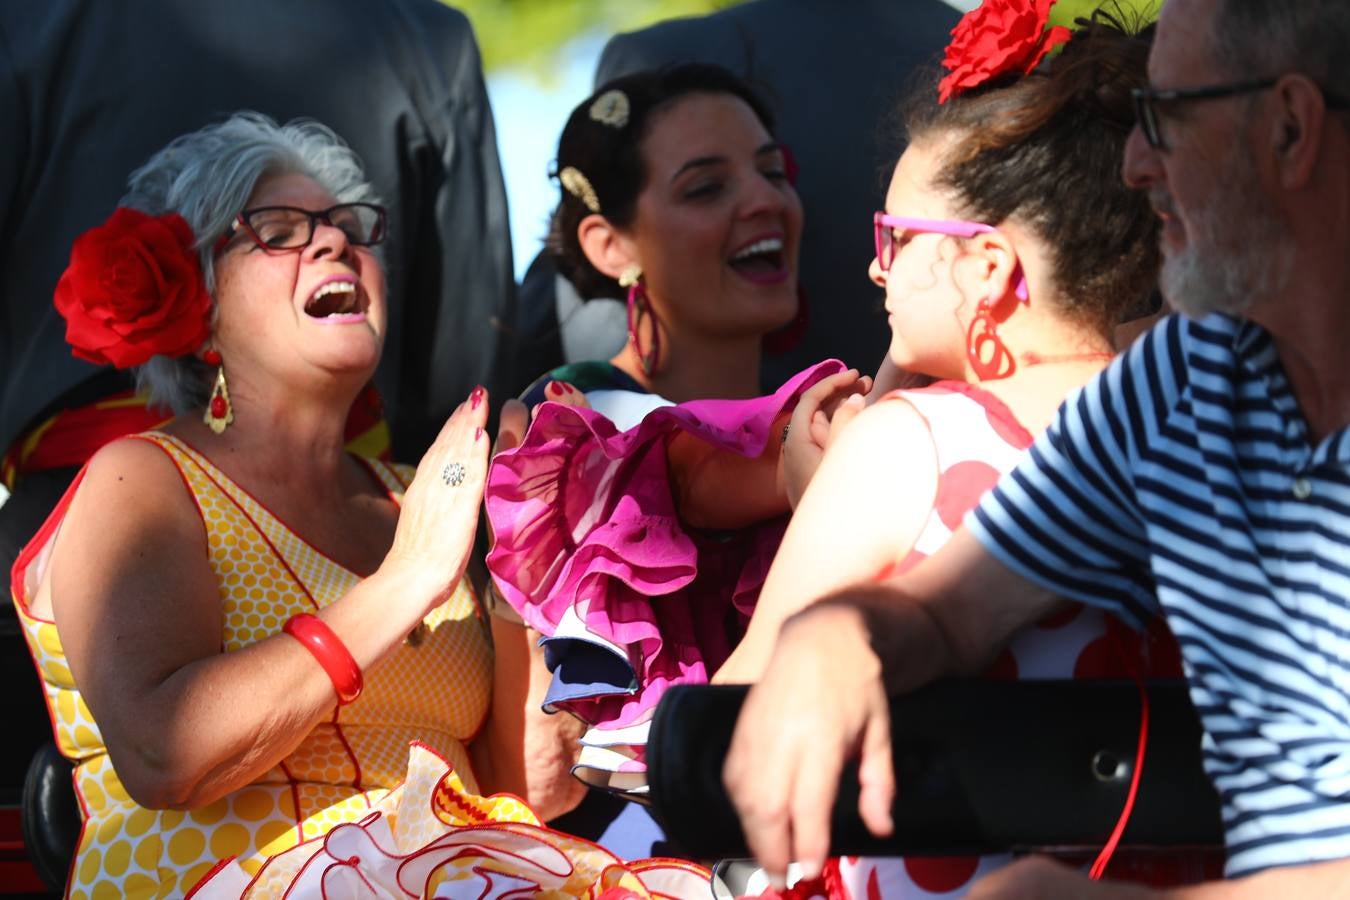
{"points": [[823, 699], [1047, 880]]}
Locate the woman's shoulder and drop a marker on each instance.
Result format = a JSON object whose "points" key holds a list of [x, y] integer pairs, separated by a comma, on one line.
{"points": [[145, 457], [134, 474], [879, 432], [965, 407], [129, 488]]}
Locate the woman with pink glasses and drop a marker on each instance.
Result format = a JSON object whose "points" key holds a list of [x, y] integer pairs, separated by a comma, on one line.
{"points": [[1009, 250]]}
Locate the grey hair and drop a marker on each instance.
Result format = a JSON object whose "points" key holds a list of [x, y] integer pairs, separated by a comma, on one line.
{"points": [[207, 176], [1258, 38]]}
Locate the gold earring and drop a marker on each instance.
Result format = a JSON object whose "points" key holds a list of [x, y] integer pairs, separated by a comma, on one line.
{"points": [[219, 410], [630, 275]]}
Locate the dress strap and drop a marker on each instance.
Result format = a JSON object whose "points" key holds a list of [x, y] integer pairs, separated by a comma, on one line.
{"points": [[392, 477]]}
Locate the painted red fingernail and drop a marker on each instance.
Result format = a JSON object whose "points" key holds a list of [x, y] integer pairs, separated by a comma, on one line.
{"points": [[476, 397], [555, 388], [477, 433]]}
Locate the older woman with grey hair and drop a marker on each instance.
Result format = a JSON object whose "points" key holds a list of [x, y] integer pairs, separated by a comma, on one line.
{"points": [[240, 626]]}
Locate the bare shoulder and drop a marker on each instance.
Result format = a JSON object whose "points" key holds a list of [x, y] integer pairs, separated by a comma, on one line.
{"points": [[892, 412], [132, 492], [882, 462], [891, 430], [136, 474]]}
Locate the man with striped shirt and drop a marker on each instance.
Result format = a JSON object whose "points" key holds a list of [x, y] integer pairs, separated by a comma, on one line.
{"points": [[1204, 477]]}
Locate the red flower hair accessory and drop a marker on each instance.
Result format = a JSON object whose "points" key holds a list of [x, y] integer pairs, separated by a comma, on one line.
{"points": [[133, 290], [996, 38]]}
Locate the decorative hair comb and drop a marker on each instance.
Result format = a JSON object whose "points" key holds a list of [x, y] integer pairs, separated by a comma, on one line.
{"points": [[611, 108], [579, 186]]}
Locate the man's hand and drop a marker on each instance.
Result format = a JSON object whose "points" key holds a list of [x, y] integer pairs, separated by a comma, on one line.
{"points": [[820, 703]]}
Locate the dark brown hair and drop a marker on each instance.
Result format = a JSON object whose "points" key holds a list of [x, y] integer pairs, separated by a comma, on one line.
{"points": [[611, 158], [1046, 149]]}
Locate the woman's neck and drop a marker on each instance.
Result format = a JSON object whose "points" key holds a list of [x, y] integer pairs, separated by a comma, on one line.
{"points": [[696, 370], [287, 440]]}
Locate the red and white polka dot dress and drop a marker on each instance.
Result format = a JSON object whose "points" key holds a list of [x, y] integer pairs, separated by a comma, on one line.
{"points": [[976, 440]]}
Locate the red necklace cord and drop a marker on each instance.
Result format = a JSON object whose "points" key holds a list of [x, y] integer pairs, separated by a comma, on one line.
{"points": [[1036, 359]]}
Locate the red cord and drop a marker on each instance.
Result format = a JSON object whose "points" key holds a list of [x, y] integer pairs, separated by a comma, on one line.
{"points": [[1104, 857]]}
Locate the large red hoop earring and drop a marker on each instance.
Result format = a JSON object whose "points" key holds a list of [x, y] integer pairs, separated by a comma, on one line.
{"points": [[639, 307], [989, 356], [786, 338]]}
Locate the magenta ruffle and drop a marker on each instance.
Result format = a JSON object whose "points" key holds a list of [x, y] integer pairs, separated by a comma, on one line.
{"points": [[585, 520]]}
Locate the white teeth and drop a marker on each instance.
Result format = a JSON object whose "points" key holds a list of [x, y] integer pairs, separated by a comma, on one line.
{"points": [[346, 305], [334, 287], [768, 245]]}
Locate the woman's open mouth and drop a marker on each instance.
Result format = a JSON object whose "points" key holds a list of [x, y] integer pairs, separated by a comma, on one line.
{"points": [[762, 261], [336, 302]]}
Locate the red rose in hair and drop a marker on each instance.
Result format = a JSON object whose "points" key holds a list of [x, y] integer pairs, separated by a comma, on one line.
{"points": [[134, 289], [996, 38]]}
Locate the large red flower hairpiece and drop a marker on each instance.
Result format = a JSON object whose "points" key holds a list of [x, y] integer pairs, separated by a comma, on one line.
{"points": [[133, 290], [996, 38]]}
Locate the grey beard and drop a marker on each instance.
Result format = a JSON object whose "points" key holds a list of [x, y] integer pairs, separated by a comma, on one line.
{"points": [[1238, 253], [1197, 286], [1229, 276]]}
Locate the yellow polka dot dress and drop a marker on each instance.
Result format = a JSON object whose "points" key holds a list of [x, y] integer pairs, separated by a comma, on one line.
{"points": [[435, 691]]}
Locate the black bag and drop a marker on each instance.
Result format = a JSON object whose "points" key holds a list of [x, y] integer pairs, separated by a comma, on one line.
{"points": [[981, 766]]}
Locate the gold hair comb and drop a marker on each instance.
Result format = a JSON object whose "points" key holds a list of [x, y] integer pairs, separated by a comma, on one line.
{"points": [[579, 186], [611, 108]]}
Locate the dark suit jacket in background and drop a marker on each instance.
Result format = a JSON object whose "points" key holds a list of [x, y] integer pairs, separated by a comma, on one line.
{"points": [[90, 89], [832, 72]]}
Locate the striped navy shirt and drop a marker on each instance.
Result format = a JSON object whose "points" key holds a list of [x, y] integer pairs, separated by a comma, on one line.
{"points": [[1183, 481]]}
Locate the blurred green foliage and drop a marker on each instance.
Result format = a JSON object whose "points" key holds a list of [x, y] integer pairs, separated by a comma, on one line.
{"points": [[1065, 12], [528, 34]]}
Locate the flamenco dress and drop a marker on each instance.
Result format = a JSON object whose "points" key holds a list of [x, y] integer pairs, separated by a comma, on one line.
{"points": [[591, 552], [379, 800]]}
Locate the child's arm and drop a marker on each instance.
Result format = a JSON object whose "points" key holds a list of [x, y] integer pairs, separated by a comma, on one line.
{"points": [[720, 489], [863, 512]]}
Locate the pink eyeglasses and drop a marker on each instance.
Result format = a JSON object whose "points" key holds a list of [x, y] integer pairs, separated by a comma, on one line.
{"points": [[883, 237]]}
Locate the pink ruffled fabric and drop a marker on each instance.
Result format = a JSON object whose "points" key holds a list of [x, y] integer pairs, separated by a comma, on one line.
{"points": [[585, 521]]}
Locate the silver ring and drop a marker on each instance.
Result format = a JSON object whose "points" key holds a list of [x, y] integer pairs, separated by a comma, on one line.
{"points": [[453, 474]]}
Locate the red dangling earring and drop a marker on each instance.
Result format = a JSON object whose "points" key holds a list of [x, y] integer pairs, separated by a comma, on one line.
{"points": [[640, 307], [219, 413], [989, 356], [786, 338]]}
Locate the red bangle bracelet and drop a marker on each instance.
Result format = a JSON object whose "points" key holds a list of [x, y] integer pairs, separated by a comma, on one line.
{"points": [[330, 652]]}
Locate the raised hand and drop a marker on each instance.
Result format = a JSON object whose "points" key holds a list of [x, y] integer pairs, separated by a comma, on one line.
{"points": [[811, 429], [436, 526]]}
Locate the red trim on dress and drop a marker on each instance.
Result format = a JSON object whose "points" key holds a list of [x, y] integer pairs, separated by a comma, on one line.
{"points": [[202, 462], [207, 474], [985, 398], [38, 541], [220, 864]]}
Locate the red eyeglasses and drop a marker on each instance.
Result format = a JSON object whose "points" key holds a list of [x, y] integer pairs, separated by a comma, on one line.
{"points": [[884, 227], [284, 229]]}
